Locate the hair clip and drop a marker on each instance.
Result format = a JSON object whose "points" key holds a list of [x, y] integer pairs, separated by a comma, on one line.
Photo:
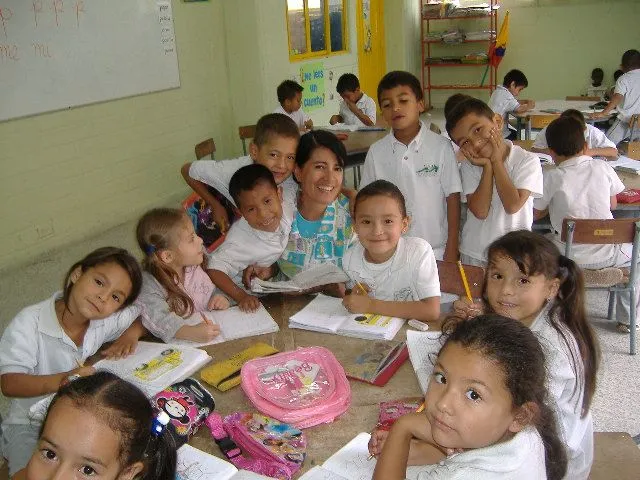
{"points": [[150, 249], [159, 423]]}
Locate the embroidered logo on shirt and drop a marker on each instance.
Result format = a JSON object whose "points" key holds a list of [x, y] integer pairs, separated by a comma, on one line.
{"points": [[428, 171]]}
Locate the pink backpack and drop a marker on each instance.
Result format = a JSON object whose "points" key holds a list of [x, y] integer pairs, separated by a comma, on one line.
{"points": [[304, 387], [260, 444]]}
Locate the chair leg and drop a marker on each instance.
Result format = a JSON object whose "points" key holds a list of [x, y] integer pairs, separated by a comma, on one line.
{"points": [[632, 320], [244, 146], [612, 305]]}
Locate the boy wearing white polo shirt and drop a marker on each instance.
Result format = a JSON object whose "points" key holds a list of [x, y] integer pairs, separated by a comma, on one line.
{"points": [[421, 163], [257, 239], [582, 187], [499, 179], [597, 143], [290, 98], [504, 100], [626, 98], [356, 108]]}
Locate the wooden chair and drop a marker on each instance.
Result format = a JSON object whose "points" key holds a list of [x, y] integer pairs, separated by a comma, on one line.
{"points": [[208, 147], [633, 150], [538, 122], [451, 281], [526, 144], [583, 98], [246, 132], [599, 232]]}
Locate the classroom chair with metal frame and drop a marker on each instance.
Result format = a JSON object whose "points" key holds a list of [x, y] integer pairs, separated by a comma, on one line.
{"points": [[245, 133], [613, 231], [451, 280], [207, 147]]}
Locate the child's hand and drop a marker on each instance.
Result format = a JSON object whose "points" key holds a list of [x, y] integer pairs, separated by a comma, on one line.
{"points": [[357, 302], [218, 302], [495, 138], [205, 331], [334, 119], [121, 348], [249, 303], [352, 106], [473, 158], [376, 442], [464, 308], [263, 273]]}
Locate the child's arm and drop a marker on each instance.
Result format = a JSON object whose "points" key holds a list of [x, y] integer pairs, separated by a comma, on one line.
{"points": [[613, 202], [538, 214], [479, 202], [613, 103], [525, 106], [246, 302], [541, 150], [217, 210], [127, 343], [24, 385], [308, 124], [512, 198], [426, 310], [602, 152], [336, 119], [453, 227], [359, 113]]}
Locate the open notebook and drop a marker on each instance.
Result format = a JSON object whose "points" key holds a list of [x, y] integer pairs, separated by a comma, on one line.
{"points": [[322, 274], [351, 462], [423, 349], [194, 464], [235, 324], [327, 315]]}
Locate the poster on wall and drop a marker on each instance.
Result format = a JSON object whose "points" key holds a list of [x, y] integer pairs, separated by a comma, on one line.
{"points": [[312, 76]]}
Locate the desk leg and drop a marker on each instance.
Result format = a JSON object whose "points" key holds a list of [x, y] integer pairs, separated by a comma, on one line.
{"points": [[527, 130]]}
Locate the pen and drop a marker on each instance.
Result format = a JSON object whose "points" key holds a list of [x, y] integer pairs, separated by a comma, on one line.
{"points": [[464, 281]]}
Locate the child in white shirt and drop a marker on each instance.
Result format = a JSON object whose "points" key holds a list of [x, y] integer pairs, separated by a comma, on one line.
{"points": [[597, 143], [175, 289], [390, 274], [486, 406], [626, 99], [257, 240], [595, 87], [47, 343], [290, 98], [499, 179], [420, 162], [356, 108], [504, 100]]}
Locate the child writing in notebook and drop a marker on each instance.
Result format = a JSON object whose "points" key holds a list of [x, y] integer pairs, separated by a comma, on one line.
{"points": [[116, 441], [504, 100], [175, 290], [256, 240], [49, 341], [486, 405], [500, 179], [391, 274], [528, 280]]}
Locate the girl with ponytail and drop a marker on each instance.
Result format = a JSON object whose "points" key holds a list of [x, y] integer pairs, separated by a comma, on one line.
{"points": [[487, 412], [528, 280], [100, 426]]}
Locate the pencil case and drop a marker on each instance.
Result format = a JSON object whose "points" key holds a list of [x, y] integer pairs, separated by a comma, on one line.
{"points": [[225, 375]]}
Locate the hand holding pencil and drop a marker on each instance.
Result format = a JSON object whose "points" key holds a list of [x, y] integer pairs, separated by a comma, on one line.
{"points": [[465, 307]]}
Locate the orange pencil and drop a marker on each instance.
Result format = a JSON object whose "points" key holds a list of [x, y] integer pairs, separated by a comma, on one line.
{"points": [[206, 320]]}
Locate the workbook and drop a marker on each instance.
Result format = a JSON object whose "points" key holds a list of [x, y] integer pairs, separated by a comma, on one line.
{"points": [[423, 349], [234, 324], [326, 314], [351, 462], [626, 164], [377, 363], [194, 464], [323, 274]]}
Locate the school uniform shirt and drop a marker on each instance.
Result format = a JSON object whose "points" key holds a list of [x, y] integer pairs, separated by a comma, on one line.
{"points": [[502, 102], [329, 244], [594, 137], [521, 457], [299, 116], [410, 274], [628, 85], [580, 187], [426, 172], [525, 172], [566, 389], [217, 174], [244, 246], [592, 91], [366, 104], [158, 318], [36, 344]]}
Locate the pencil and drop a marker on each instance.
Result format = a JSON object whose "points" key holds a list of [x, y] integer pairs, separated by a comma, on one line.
{"points": [[362, 289], [206, 320], [420, 408], [464, 281], [79, 363]]}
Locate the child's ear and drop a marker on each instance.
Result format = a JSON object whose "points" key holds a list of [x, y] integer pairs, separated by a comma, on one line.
{"points": [[166, 256], [131, 471], [76, 274], [253, 151], [297, 173], [406, 221], [280, 193], [524, 417], [553, 288], [498, 120], [421, 105]]}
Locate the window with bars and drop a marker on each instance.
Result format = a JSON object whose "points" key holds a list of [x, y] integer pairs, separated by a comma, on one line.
{"points": [[316, 28]]}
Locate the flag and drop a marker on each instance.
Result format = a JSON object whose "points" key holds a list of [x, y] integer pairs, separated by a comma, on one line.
{"points": [[499, 46]]}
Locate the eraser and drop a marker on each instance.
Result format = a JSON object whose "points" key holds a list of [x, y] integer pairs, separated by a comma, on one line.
{"points": [[418, 325]]}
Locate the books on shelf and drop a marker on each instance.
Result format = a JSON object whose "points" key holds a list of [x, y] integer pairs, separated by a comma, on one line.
{"points": [[323, 274], [326, 314], [378, 362]]}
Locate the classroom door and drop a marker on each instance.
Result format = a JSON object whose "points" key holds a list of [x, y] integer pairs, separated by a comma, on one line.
{"points": [[372, 61]]}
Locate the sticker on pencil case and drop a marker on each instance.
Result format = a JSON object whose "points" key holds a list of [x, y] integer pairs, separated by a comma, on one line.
{"points": [[158, 366]]}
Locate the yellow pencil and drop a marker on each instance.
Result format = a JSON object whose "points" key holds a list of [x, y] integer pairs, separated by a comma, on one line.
{"points": [[206, 320], [79, 363], [464, 281], [420, 408], [362, 289]]}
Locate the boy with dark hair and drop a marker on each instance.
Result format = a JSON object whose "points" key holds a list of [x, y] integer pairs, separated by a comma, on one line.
{"points": [[290, 98], [597, 143], [504, 100], [582, 187], [626, 98], [499, 179], [274, 146], [596, 87], [421, 163], [356, 108], [257, 239]]}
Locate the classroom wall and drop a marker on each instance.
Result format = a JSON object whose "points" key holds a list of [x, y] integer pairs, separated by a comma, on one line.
{"points": [[67, 175]]}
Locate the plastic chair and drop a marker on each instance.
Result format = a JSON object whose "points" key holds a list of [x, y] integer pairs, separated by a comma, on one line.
{"points": [[451, 281], [207, 147], [246, 132], [599, 232]]}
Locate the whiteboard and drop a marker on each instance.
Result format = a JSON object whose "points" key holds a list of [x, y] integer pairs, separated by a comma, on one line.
{"points": [[58, 54]]}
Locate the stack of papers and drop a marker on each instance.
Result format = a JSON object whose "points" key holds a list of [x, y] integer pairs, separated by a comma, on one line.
{"points": [[327, 315], [626, 164], [323, 274]]}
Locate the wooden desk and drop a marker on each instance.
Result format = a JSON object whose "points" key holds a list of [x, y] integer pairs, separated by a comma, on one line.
{"points": [[357, 146]]}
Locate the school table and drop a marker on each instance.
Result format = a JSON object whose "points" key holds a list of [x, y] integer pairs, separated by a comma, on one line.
{"points": [[616, 456]]}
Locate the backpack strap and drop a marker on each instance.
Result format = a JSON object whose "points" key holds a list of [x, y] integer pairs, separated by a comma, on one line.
{"points": [[227, 446]]}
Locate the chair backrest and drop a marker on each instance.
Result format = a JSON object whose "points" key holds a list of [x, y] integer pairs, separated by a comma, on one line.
{"points": [[246, 132], [451, 280], [590, 231], [583, 98], [526, 144], [208, 147], [633, 150], [541, 121]]}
